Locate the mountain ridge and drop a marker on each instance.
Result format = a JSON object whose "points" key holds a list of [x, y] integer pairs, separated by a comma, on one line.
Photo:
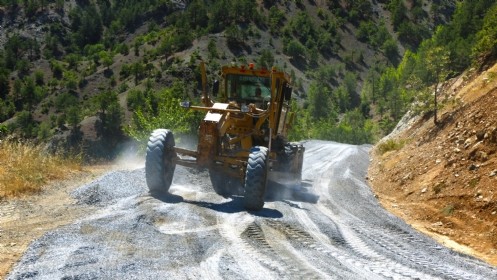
{"points": [[169, 36]]}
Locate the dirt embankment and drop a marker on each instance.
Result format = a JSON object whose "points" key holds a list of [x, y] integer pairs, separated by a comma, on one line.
{"points": [[443, 180]]}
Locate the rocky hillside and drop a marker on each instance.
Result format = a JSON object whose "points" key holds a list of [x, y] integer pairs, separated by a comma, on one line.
{"points": [[63, 62], [442, 178]]}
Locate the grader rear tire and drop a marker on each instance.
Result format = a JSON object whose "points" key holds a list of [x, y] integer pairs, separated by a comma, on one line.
{"points": [[220, 183], [159, 164], [256, 178]]}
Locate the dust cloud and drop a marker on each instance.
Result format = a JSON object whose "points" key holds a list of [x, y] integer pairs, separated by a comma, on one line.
{"points": [[131, 154], [130, 157]]}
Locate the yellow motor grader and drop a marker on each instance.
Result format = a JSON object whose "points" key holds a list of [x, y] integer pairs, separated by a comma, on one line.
{"points": [[242, 139]]}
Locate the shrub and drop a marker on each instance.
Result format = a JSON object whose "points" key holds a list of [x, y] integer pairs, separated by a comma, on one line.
{"points": [[439, 187], [294, 49], [449, 209], [25, 123], [65, 100], [3, 130], [390, 145], [136, 100], [44, 131], [39, 78], [170, 116], [57, 69]]}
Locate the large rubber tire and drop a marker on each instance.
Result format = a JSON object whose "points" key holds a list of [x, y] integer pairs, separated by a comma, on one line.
{"points": [[159, 163], [256, 178], [220, 183]]}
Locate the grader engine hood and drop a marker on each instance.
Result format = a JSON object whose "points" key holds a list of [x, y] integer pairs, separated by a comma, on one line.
{"points": [[213, 116], [235, 125]]}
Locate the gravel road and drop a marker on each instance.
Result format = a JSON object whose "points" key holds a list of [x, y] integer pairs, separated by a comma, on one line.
{"points": [[330, 228]]}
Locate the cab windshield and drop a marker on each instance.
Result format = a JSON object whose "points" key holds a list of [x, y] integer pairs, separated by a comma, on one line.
{"points": [[241, 87]]}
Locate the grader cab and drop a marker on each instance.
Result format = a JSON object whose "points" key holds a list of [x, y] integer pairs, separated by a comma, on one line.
{"points": [[242, 138]]}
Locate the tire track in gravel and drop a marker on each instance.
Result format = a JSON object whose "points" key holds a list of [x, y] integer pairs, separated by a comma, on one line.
{"points": [[268, 242], [195, 234], [360, 230], [401, 250], [255, 264], [356, 253], [320, 263], [192, 223]]}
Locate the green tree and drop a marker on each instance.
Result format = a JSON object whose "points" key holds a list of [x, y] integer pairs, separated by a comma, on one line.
{"points": [[459, 35], [350, 84], [342, 98], [110, 115], [106, 58], [398, 10], [31, 7], [59, 5], [73, 117], [86, 24], [26, 124], [319, 101], [136, 47], [295, 49], [70, 80], [234, 35], [28, 93], [243, 10], [326, 74], [65, 100], [7, 110], [266, 59], [275, 19], [137, 100], [391, 50], [138, 71], [16, 92], [39, 78], [212, 49], [303, 28], [23, 66], [170, 115], [196, 13], [4, 86], [15, 48], [44, 131], [72, 60], [437, 62], [486, 38], [57, 69], [51, 49]]}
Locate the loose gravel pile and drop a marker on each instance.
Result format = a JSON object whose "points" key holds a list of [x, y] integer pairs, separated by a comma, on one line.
{"points": [[112, 187]]}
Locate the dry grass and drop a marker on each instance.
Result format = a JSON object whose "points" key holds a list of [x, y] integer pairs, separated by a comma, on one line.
{"points": [[25, 168]]}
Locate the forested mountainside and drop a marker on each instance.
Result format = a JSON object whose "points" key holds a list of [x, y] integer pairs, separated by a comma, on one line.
{"points": [[83, 71]]}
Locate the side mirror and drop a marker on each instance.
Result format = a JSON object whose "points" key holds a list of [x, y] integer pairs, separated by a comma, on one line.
{"points": [[215, 88], [287, 93]]}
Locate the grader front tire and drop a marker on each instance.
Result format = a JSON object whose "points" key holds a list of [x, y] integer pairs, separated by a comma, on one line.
{"points": [[159, 163], [256, 178]]}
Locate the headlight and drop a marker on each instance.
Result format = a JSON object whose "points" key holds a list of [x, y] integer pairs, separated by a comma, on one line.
{"points": [[244, 109]]}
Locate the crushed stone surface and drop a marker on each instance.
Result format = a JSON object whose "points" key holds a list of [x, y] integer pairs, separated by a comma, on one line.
{"points": [[332, 227]]}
